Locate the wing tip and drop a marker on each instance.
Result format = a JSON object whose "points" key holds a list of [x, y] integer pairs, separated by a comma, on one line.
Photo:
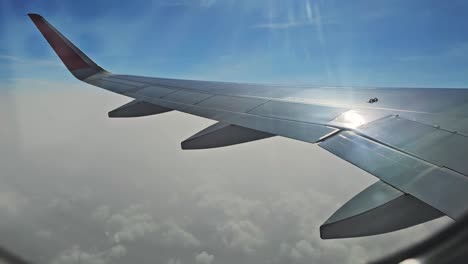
{"points": [[34, 16], [80, 65]]}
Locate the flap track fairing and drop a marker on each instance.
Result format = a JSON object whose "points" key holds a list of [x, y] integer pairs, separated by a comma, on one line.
{"points": [[221, 135], [138, 108]]}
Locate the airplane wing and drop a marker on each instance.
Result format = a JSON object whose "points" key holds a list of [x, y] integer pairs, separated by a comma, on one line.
{"points": [[414, 140]]}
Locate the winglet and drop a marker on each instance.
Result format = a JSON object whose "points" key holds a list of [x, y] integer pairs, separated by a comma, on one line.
{"points": [[74, 59]]}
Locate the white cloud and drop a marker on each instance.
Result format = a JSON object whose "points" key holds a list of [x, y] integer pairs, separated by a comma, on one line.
{"points": [[174, 235], [117, 251], [204, 258], [44, 234], [75, 255], [303, 250], [233, 206], [101, 213], [243, 236], [11, 203], [174, 261], [136, 222], [131, 224]]}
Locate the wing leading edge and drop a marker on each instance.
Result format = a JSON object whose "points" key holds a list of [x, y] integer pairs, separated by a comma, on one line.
{"points": [[414, 140]]}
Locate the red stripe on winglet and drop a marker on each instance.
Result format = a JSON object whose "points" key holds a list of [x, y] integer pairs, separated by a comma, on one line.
{"points": [[70, 58]]}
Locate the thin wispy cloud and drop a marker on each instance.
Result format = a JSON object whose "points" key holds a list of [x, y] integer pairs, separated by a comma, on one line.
{"points": [[207, 3], [283, 25], [319, 25], [459, 50], [317, 21], [21, 60], [309, 15], [173, 3], [15, 67], [182, 3], [8, 58], [309, 11]]}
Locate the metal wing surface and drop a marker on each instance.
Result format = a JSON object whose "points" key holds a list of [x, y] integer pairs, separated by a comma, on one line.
{"points": [[415, 140]]}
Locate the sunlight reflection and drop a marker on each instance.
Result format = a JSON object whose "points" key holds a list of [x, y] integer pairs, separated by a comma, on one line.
{"points": [[353, 119]]}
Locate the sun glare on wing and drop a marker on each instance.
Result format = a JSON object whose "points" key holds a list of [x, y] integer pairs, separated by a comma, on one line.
{"points": [[353, 119]]}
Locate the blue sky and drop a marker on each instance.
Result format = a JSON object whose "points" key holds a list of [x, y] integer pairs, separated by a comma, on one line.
{"points": [[362, 43]]}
